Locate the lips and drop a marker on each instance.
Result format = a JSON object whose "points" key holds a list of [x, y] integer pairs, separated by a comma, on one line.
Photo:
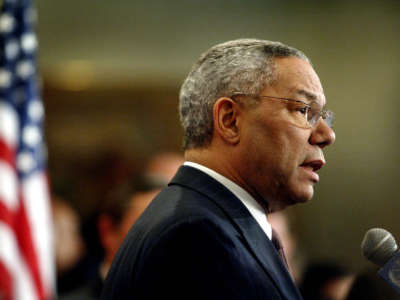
{"points": [[312, 166], [315, 165]]}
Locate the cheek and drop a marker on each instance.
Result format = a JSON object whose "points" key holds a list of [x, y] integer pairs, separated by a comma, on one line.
{"points": [[275, 146], [286, 149], [295, 144]]}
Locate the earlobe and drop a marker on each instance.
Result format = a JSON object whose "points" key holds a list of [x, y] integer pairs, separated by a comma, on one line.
{"points": [[226, 120], [105, 229]]}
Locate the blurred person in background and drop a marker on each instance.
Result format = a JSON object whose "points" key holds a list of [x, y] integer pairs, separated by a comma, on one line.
{"points": [[369, 285], [121, 210], [122, 206], [86, 185], [255, 129], [326, 280], [161, 167], [69, 245]]}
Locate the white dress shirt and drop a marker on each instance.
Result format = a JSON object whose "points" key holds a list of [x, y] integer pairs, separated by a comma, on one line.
{"points": [[251, 204]]}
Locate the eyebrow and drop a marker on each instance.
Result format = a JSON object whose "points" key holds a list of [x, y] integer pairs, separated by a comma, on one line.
{"points": [[311, 97], [308, 95]]}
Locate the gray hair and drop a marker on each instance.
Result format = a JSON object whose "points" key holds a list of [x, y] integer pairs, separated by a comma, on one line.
{"points": [[244, 65]]}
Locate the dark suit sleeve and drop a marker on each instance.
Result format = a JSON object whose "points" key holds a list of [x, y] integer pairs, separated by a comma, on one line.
{"points": [[198, 259]]}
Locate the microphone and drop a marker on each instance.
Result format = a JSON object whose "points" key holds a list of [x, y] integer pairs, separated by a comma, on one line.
{"points": [[380, 247]]}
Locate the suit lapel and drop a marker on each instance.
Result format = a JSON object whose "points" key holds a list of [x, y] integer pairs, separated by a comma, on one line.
{"points": [[257, 241]]}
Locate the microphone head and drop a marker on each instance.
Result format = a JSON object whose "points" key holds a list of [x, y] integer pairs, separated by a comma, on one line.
{"points": [[378, 246]]}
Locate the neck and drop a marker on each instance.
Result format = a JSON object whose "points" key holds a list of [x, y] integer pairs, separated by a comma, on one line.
{"points": [[103, 269], [225, 166]]}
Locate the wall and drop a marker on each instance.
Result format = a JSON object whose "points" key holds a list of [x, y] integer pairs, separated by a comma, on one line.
{"points": [[112, 72]]}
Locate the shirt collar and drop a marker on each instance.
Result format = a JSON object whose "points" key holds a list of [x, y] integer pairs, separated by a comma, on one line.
{"points": [[251, 204]]}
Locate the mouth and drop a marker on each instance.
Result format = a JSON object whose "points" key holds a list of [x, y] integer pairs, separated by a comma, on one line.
{"points": [[311, 167]]}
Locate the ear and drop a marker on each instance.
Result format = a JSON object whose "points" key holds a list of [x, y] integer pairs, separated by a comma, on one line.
{"points": [[106, 231], [226, 114]]}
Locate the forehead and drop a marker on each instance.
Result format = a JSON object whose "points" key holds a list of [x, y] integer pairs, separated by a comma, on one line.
{"points": [[296, 78]]}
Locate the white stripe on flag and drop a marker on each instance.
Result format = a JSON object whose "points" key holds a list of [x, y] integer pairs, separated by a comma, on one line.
{"points": [[36, 200], [12, 260], [8, 186], [8, 124]]}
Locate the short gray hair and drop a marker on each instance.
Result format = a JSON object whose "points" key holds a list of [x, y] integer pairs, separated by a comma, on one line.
{"points": [[244, 65]]}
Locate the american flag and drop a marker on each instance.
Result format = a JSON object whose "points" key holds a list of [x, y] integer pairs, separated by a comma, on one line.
{"points": [[26, 254]]}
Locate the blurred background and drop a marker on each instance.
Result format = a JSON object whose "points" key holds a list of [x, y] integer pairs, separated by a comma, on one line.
{"points": [[112, 71]]}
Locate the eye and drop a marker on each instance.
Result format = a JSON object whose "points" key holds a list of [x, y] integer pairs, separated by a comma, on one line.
{"points": [[304, 110]]}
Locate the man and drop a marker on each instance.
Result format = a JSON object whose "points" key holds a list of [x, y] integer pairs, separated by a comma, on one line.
{"points": [[254, 133], [161, 167], [121, 208]]}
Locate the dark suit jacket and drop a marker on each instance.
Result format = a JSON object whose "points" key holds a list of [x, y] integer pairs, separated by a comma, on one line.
{"points": [[196, 240]]}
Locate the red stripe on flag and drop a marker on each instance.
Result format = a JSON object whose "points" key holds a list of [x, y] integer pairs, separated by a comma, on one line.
{"points": [[6, 216], [7, 154], [6, 283], [25, 242], [18, 223]]}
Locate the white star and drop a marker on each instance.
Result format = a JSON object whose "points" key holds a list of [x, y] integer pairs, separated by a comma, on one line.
{"points": [[29, 42], [12, 49], [25, 161], [36, 110], [25, 69], [5, 78], [31, 136], [7, 23]]}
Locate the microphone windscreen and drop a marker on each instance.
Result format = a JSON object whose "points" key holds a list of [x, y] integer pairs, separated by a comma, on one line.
{"points": [[378, 246]]}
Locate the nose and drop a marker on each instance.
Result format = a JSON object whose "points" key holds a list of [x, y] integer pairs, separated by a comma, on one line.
{"points": [[322, 135]]}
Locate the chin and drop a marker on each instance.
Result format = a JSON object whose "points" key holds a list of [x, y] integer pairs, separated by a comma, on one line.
{"points": [[293, 198], [302, 195], [290, 195], [307, 196]]}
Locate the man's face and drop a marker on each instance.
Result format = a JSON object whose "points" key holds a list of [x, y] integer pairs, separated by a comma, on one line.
{"points": [[139, 203], [279, 156]]}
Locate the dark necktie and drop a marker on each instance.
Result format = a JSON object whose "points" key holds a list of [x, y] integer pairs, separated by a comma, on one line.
{"points": [[278, 245]]}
